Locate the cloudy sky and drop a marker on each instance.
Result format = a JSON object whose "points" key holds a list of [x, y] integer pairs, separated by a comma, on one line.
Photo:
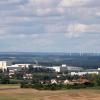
{"points": [[50, 25]]}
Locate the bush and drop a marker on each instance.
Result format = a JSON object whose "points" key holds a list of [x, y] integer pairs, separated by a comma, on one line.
{"points": [[39, 86], [5, 80], [15, 81]]}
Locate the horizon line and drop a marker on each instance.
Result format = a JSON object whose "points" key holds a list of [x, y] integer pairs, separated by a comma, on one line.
{"points": [[49, 52]]}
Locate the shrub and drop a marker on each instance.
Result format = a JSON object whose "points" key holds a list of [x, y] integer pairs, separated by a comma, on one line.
{"points": [[40, 86]]}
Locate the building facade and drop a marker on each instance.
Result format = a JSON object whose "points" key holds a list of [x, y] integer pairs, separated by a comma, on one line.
{"points": [[4, 64]]}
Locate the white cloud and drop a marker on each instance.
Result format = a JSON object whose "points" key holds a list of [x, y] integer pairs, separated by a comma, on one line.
{"points": [[9, 1], [77, 30], [72, 3], [55, 28], [3, 32], [43, 11], [98, 13]]}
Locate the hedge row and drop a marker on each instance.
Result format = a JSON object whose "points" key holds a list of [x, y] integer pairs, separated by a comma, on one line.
{"points": [[39, 86]]}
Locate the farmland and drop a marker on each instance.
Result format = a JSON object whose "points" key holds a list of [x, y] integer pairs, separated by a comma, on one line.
{"points": [[13, 92]]}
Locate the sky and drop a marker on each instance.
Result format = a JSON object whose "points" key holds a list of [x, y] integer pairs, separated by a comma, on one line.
{"points": [[50, 26]]}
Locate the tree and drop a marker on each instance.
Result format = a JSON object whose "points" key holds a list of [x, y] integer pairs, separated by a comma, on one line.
{"points": [[5, 79]]}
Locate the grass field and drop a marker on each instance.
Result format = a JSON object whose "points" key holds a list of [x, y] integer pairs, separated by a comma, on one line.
{"points": [[13, 92], [9, 86]]}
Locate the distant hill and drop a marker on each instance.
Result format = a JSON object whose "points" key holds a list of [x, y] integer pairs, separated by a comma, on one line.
{"points": [[85, 60]]}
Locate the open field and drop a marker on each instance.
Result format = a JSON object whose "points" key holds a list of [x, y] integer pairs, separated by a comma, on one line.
{"points": [[11, 92], [9, 86]]}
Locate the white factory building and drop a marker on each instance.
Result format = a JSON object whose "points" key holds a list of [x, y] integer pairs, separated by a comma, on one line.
{"points": [[96, 71], [65, 68], [23, 65], [4, 64], [55, 68]]}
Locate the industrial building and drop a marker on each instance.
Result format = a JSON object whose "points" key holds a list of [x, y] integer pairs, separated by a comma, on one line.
{"points": [[23, 65], [64, 68], [55, 68], [4, 64]]}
